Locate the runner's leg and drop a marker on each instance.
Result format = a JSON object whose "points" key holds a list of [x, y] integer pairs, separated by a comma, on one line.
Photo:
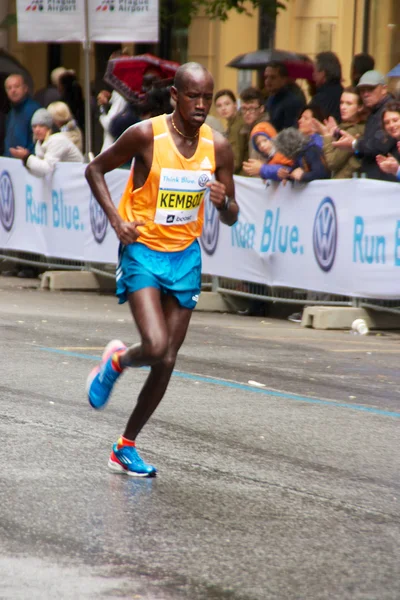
{"points": [[164, 331]]}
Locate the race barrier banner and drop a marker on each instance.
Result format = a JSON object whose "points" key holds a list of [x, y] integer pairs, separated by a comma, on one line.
{"points": [[340, 237]]}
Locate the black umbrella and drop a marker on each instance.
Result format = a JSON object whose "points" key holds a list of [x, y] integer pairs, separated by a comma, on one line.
{"points": [[299, 65]]}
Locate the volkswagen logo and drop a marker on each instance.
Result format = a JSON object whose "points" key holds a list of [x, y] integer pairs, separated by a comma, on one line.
{"points": [[209, 236], [325, 234], [203, 180], [7, 201], [98, 220]]}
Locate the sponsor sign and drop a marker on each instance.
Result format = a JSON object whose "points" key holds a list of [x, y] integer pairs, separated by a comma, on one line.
{"points": [[327, 236], [98, 220], [123, 20], [180, 196], [108, 20], [7, 201], [50, 20]]}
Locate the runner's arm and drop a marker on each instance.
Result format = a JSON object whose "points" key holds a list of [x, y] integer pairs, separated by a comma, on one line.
{"points": [[222, 191]]}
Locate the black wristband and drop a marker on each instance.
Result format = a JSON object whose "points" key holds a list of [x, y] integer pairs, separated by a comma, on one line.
{"points": [[25, 160]]}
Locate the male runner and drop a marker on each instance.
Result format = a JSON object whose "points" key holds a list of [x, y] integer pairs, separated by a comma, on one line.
{"points": [[158, 222]]}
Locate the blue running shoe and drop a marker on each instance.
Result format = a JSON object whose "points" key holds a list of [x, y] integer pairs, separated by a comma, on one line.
{"points": [[101, 379], [126, 460]]}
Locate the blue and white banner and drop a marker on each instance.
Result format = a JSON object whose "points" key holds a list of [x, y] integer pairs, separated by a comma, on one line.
{"points": [[340, 237]]}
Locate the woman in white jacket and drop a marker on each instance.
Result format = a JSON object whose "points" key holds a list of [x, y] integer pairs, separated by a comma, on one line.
{"points": [[50, 148]]}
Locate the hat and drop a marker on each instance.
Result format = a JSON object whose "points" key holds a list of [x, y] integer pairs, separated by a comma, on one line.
{"points": [[42, 117], [263, 128], [371, 78]]}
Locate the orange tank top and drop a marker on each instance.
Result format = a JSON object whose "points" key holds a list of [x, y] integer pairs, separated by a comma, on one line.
{"points": [[171, 201]]}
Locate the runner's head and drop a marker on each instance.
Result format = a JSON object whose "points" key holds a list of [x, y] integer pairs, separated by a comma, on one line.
{"points": [[193, 93]]}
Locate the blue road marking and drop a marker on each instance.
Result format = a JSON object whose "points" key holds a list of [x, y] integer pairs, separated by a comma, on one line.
{"points": [[247, 388]]}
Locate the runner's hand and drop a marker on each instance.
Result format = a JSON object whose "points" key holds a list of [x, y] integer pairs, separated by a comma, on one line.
{"points": [[127, 232], [217, 193]]}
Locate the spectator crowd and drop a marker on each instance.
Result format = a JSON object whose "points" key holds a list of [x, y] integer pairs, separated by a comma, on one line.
{"points": [[283, 133], [280, 133]]}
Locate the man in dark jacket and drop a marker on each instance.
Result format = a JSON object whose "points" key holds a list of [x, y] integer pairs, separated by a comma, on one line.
{"points": [[327, 77], [18, 123], [285, 102], [375, 140]]}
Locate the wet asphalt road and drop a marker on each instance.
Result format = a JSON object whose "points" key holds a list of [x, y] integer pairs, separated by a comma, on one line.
{"points": [[288, 491]]}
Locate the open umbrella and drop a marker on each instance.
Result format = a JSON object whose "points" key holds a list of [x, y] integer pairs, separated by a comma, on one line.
{"points": [[126, 74], [299, 65], [395, 72]]}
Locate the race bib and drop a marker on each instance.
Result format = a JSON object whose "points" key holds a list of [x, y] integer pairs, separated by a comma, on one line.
{"points": [[180, 195]]}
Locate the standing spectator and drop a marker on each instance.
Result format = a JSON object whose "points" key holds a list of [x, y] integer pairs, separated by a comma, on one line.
{"points": [[328, 77], [307, 123], [50, 147], [71, 93], [18, 122], [50, 93], [284, 103], [360, 64], [343, 163], [373, 92], [225, 103], [65, 122], [110, 105], [252, 109]]}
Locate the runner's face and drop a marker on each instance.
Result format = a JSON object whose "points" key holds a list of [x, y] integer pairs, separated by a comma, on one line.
{"points": [[195, 98]]}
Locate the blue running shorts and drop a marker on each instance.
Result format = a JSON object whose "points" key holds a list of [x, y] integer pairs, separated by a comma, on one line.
{"points": [[175, 273]]}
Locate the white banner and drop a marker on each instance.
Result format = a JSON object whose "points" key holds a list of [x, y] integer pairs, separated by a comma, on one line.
{"points": [[123, 20], [56, 216], [131, 21], [50, 20], [340, 237]]}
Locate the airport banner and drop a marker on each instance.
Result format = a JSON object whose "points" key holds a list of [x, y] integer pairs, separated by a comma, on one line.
{"points": [[51, 20], [340, 237], [129, 21]]}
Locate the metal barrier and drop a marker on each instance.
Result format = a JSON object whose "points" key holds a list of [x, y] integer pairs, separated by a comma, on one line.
{"points": [[228, 287]]}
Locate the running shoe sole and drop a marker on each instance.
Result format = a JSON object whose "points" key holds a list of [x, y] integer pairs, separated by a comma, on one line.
{"points": [[116, 467]]}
